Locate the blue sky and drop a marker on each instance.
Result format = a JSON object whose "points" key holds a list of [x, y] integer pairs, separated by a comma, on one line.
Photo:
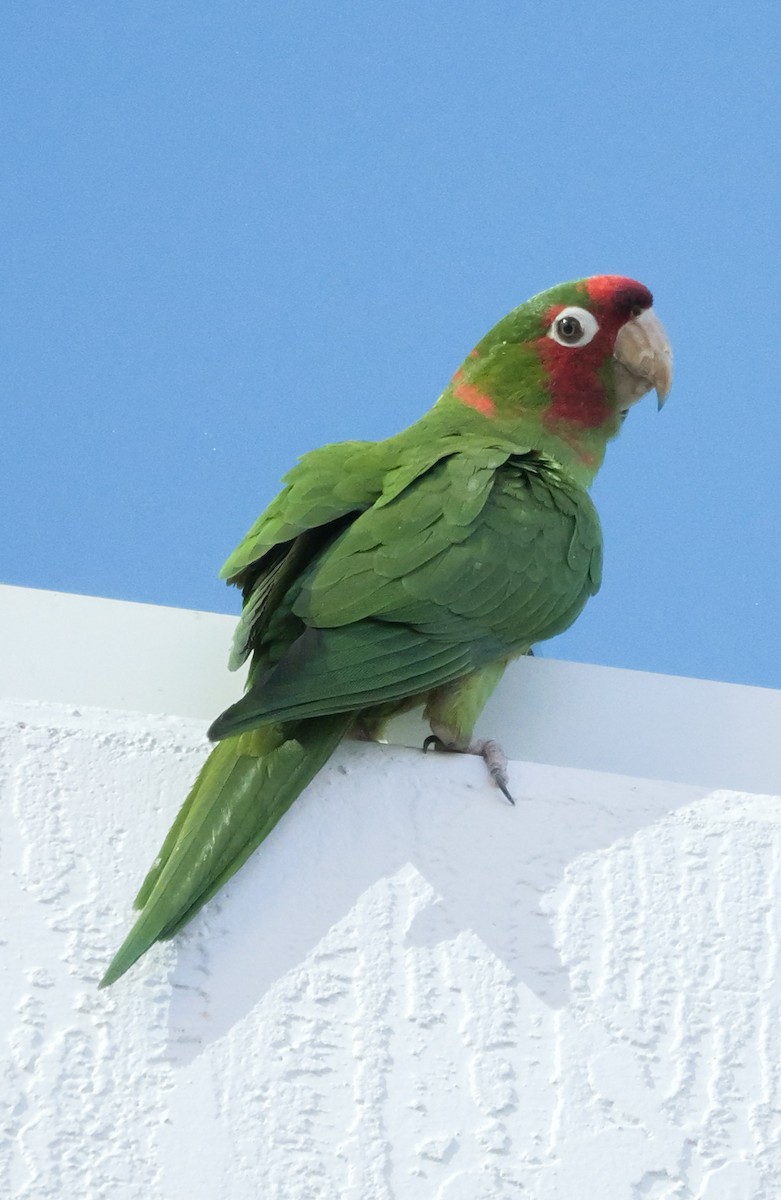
{"points": [[233, 232]]}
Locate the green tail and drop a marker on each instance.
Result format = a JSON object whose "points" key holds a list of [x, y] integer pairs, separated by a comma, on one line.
{"points": [[246, 784]]}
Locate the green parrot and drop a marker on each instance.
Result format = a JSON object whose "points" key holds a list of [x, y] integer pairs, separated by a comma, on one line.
{"points": [[387, 575]]}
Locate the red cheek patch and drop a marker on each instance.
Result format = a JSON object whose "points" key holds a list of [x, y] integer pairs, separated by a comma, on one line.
{"points": [[576, 390], [471, 395]]}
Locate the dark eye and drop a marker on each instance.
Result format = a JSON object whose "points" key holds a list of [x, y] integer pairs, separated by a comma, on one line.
{"points": [[636, 309], [574, 326], [569, 329]]}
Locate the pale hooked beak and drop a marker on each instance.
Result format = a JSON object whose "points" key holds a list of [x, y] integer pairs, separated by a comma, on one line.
{"points": [[643, 360]]}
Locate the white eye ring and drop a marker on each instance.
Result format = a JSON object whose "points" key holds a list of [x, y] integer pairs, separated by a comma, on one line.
{"points": [[573, 327]]}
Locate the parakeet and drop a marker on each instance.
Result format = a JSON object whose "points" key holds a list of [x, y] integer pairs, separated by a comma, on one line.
{"points": [[387, 575]]}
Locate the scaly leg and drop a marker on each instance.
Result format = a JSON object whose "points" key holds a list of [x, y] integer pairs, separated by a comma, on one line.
{"points": [[490, 751], [452, 711]]}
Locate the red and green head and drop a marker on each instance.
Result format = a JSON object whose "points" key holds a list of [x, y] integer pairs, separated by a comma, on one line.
{"points": [[571, 360]]}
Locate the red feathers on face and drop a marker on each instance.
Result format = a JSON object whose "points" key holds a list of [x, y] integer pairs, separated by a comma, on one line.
{"points": [[577, 390]]}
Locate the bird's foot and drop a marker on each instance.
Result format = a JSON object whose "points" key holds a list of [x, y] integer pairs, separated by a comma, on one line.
{"points": [[490, 751]]}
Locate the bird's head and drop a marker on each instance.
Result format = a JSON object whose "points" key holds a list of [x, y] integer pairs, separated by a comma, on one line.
{"points": [[572, 361]]}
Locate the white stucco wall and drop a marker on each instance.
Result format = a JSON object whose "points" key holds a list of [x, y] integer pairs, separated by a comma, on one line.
{"points": [[412, 991]]}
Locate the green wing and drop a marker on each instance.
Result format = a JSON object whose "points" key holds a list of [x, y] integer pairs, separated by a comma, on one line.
{"points": [[326, 487], [476, 559], [323, 493]]}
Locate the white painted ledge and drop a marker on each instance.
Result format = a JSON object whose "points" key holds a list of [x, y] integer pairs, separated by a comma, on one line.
{"points": [[145, 658], [412, 991]]}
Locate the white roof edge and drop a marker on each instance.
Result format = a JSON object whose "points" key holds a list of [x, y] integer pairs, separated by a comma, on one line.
{"points": [[84, 650]]}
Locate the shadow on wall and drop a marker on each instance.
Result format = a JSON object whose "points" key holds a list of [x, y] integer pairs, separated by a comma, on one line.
{"points": [[467, 862]]}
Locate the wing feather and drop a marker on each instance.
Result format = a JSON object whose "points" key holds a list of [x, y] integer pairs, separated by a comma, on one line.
{"points": [[412, 595]]}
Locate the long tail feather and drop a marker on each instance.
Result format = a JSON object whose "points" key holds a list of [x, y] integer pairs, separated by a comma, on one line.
{"points": [[244, 787]]}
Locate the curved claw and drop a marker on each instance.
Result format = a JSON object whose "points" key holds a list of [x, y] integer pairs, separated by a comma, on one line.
{"points": [[495, 759], [491, 753], [504, 791]]}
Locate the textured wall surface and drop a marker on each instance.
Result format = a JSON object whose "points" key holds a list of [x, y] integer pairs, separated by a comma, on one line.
{"points": [[412, 991]]}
